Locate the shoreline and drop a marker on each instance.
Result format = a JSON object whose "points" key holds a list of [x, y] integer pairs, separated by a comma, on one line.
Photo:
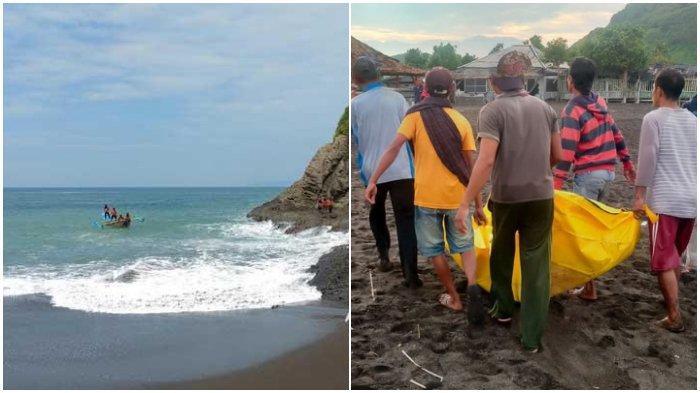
{"points": [[46, 347], [297, 369]]}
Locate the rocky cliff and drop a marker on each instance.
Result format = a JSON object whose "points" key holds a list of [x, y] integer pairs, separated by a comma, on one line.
{"points": [[325, 176]]}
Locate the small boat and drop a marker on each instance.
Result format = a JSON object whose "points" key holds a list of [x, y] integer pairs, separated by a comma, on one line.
{"points": [[116, 224]]}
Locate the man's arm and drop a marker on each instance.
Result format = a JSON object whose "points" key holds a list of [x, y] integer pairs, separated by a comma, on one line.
{"points": [[570, 136], [384, 163], [479, 177], [556, 154], [646, 160], [478, 204], [622, 153]]}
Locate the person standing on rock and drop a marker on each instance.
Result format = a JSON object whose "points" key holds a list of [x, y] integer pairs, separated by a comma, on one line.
{"points": [[667, 182], [591, 144], [444, 147], [375, 116], [519, 144]]}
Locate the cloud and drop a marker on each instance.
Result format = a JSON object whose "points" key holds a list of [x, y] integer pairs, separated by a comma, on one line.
{"points": [[566, 24], [365, 33], [125, 52]]}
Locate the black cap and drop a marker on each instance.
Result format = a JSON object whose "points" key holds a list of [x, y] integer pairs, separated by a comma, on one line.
{"points": [[439, 82], [365, 69]]}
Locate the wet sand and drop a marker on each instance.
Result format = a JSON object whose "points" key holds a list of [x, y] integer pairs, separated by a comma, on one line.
{"points": [[608, 344], [320, 365]]}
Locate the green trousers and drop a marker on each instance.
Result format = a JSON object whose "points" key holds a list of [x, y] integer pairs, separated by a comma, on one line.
{"points": [[533, 222]]}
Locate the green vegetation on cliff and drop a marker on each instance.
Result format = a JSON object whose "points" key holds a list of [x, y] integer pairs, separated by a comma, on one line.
{"points": [[667, 28], [343, 124]]}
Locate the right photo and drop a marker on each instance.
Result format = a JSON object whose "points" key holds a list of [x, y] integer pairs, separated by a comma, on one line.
{"points": [[523, 196]]}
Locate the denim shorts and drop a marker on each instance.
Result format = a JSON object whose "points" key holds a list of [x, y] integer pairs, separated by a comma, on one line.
{"points": [[593, 185], [434, 225]]}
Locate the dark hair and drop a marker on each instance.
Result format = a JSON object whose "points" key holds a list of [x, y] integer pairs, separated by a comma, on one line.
{"points": [[583, 72], [671, 82]]}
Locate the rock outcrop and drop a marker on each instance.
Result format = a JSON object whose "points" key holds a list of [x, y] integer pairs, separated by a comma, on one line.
{"points": [[325, 176], [331, 275]]}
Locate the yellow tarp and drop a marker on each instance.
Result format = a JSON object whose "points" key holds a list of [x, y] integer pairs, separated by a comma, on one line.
{"points": [[588, 239]]}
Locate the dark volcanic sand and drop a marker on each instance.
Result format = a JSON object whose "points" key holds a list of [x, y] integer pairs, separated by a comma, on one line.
{"points": [[608, 344]]}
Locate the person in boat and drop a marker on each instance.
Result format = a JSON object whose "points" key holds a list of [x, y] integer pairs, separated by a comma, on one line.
{"points": [[106, 212], [127, 219]]}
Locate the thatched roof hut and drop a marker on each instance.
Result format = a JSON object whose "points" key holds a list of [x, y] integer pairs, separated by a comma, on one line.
{"points": [[388, 65]]}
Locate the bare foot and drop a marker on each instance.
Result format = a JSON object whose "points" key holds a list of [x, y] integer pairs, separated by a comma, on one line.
{"points": [[447, 301]]}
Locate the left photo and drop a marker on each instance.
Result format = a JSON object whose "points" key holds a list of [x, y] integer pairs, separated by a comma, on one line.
{"points": [[175, 199]]}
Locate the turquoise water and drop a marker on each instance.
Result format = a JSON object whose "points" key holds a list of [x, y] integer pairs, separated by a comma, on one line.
{"points": [[195, 250]]}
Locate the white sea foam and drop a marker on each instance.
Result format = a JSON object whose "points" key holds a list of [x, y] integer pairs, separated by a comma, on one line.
{"points": [[250, 265]]}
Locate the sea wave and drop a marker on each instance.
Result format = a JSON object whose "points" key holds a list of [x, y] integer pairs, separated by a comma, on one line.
{"points": [[247, 265]]}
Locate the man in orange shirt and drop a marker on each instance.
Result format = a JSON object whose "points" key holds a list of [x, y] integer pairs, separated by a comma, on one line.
{"points": [[444, 153]]}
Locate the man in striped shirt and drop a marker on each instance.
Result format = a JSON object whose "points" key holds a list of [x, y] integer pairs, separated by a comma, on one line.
{"points": [[591, 143], [667, 183]]}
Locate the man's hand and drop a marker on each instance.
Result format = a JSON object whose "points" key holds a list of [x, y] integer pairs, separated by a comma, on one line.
{"points": [[371, 192], [461, 219], [630, 173], [479, 215], [638, 207]]}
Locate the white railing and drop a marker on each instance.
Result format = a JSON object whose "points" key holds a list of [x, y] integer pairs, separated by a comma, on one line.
{"points": [[640, 91]]}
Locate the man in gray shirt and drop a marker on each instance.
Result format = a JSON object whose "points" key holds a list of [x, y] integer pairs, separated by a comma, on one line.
{"points": [[519, 144], [667, 183], [376, 114]]}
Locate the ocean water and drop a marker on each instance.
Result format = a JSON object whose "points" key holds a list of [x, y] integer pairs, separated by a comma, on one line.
{"points": [[195, 251]]}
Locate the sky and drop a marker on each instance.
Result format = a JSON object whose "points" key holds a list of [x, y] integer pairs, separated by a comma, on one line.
{"points": [[170, 95], [475, 28]]}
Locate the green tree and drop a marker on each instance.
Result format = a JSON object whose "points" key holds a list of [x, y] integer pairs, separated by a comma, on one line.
{"points": [[417, 58], [555, 52], [660, 54], [536, 41], [496, 48], [467, 58], [618, 50], [445, 55]]}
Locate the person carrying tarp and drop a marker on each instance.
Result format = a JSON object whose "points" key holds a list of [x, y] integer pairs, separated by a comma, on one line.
{"points": [[591, 143], [519, 144], [667, 183], [375, 115], [444, 149]]}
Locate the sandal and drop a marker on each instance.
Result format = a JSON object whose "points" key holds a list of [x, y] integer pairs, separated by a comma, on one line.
{"points": [[670, 326]]}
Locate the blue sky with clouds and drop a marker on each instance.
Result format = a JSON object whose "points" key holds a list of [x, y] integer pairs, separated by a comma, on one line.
{"points": [[394, 28], [170, 95]]}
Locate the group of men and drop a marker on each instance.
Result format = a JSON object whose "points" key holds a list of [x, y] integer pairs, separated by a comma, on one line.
{"points": [[424, 159], [110, 214]]}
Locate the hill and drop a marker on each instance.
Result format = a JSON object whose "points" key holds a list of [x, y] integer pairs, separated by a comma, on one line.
{"points": [[671, 25]]}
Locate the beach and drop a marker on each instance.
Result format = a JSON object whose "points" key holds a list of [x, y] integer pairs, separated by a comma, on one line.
{"points": [[607, 344], [322, 364], [176, 297]]}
